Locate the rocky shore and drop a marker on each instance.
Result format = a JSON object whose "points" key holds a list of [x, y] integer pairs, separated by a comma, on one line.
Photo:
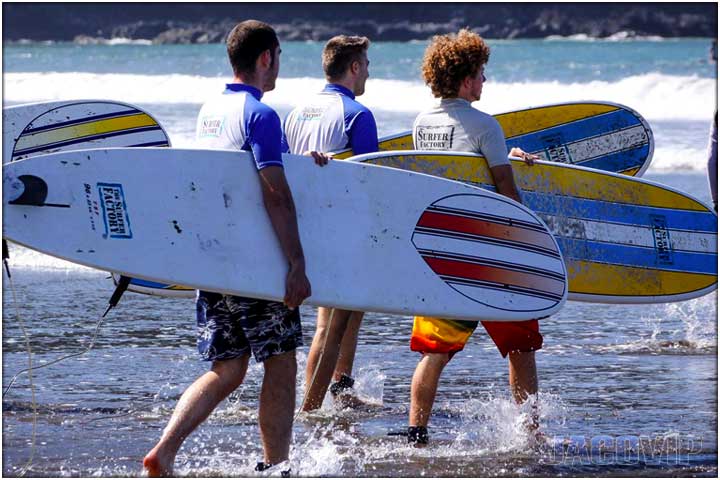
{"points": [[184, 23]]}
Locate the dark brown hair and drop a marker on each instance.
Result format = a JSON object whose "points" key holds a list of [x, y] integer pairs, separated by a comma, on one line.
{"points": [[449, 59], [247, 41], [340, 52]]}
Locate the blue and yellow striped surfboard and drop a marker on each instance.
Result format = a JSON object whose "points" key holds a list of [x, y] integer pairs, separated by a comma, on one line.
{"points": [[47, 127], [39, 128], [601, 135], [624, 239]]}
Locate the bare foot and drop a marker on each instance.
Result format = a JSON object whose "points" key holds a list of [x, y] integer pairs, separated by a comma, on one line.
{"points": [[157, 464], [349, 399]]}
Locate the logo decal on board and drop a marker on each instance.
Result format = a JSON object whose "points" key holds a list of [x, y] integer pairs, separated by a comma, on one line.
{"points": [[114, 211], [661, 235], [555, 149]]}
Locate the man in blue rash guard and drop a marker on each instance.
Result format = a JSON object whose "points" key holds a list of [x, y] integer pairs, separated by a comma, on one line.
{"points": [[230, 328], [330, 121]]}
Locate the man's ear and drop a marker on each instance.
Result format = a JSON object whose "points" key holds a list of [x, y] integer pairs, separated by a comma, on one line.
{"points": [[355, 67], [265, 59], [467, 82]]}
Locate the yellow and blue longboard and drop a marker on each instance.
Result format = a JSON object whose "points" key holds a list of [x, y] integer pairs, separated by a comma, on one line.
{"points": [[47, 127], [624, 239], [602, 135]]}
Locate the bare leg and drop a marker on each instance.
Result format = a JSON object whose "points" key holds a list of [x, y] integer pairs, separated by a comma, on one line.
{"points": [[326, 347], [424, 387], [277, 406], [524, 381], [323, 317], [523, 375], [712, 162], [195, 405], [348, 346]]}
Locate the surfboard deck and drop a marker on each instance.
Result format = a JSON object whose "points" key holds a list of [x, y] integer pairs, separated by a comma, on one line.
{"points": [[624, 239], [46, 127], [375, 239], [602, 135]]}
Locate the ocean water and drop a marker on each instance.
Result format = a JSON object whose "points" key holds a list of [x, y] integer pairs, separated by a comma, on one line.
{"points": [[641, 379]]}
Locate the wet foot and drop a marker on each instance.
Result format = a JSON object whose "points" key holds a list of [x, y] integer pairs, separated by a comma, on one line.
{"points": [[158, 465], [348, 399]]}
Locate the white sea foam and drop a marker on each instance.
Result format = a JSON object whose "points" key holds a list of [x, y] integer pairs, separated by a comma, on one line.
{"points": [[674, 156], [656, 96], [24, 258], [126, 41], [619, 36], [695, 335]]}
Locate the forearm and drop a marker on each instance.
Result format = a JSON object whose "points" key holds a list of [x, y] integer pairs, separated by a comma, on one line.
{"points": [[505, 182], [281, 210], [280, 207]]}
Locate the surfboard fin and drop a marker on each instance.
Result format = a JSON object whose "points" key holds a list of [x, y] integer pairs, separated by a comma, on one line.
{"points": [[34, 193]]}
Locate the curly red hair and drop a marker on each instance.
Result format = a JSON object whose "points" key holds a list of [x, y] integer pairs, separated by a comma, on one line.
{"points": [[449, 59]]}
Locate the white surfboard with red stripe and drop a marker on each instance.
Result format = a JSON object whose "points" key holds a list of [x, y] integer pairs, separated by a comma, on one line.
{"points": [[517, 264], [375, 238]]}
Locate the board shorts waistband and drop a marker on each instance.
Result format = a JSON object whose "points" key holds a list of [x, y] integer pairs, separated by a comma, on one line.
{"points": [[439, 335]]}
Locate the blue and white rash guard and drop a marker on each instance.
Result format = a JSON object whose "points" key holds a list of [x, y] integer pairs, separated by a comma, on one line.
{"points": [[330, 121], [237, 120]]}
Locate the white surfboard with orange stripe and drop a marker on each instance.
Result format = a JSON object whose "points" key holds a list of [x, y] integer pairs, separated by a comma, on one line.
{"points": [[375, 238], [447, 236]]}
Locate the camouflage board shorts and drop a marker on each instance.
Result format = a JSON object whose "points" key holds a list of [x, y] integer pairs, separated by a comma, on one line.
{"points": [[230, 327]]}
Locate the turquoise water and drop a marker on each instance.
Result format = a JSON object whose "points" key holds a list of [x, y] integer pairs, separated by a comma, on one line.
{"points": [[648, 372], [510, 60], [670, 82]]}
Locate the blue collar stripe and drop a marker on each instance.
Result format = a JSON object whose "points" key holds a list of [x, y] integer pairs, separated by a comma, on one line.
{"points": [[241, 87], [335, 88]]}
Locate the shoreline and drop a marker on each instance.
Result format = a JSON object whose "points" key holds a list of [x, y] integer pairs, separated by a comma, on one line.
{"points": [[115, 41], [193, 23]]}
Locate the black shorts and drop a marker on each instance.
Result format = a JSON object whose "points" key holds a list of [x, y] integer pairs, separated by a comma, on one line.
{"points": [[230, 327]]}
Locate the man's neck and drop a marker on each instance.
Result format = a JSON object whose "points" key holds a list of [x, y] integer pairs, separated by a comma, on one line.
{"points": [[251, 81], [346, 82], [465, 96]]}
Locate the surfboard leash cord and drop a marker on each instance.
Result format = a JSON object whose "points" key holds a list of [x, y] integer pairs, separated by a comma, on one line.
{"points": [[114, 299], [33, 402]]}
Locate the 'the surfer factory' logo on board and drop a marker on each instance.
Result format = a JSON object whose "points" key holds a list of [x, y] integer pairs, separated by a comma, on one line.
{"points": [[112, 200], [663, 245]]}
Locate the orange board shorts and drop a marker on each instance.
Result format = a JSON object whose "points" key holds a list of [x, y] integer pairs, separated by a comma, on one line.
{"points": [[439, 335]]}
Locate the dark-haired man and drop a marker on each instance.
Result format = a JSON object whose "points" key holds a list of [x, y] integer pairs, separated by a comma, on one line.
{"points": [[454, 67], [330, 121], [230, 328]]}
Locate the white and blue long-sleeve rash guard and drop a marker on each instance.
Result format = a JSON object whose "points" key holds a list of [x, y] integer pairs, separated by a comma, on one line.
{"points": [[330, 121], [237, 120]]}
